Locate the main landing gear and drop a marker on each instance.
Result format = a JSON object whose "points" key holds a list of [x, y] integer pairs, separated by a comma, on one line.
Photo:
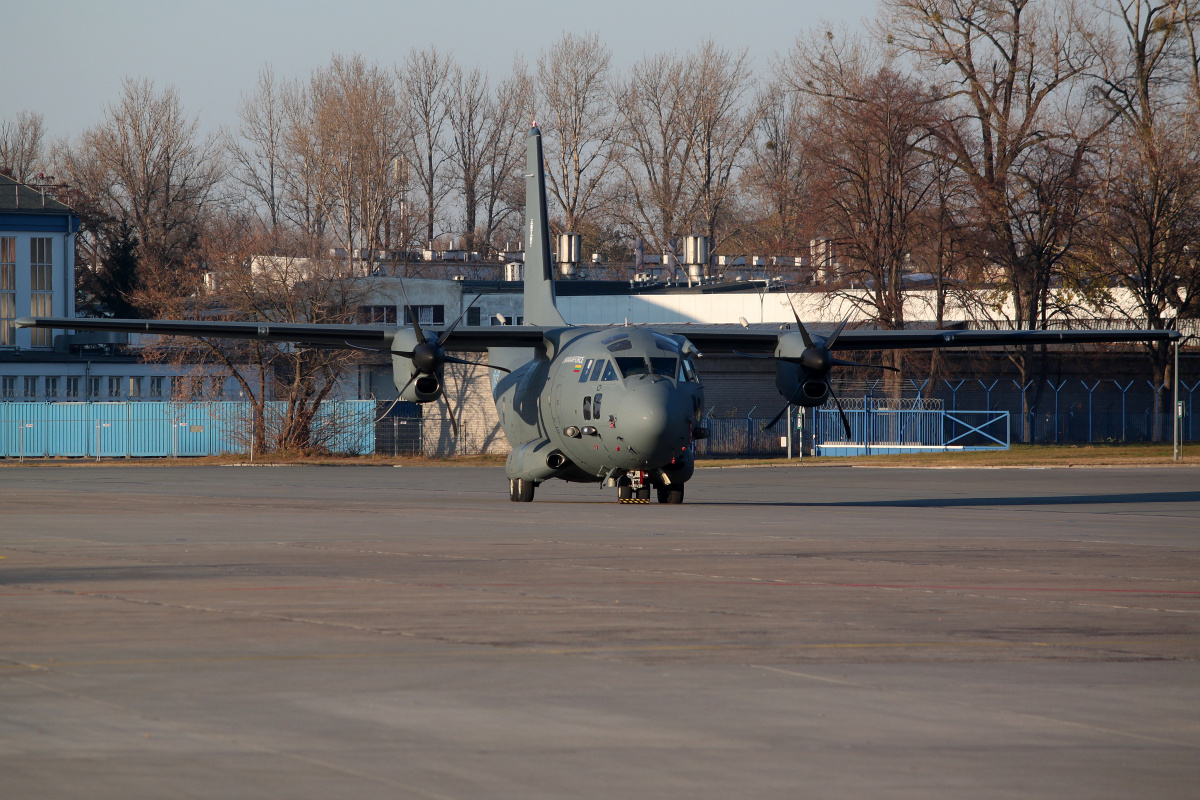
{"points": [[520, 490]]}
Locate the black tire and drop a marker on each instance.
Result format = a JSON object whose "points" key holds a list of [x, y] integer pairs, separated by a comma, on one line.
{"points": [[642, 494], [520, 490], [672, 495], [624, 491]]}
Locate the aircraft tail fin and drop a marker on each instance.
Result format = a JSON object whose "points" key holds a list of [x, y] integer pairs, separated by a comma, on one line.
{"points": [[540, 308]]}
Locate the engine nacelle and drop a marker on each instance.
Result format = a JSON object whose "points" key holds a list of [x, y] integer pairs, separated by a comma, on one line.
{"points": [[428, 386], [800, 386]]}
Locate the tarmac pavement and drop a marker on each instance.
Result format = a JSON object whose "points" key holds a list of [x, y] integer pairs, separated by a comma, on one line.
{"points": [[310, 632]]}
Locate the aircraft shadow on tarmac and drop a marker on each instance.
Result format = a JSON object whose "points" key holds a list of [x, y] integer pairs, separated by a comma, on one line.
{"points": [[955, 502]]}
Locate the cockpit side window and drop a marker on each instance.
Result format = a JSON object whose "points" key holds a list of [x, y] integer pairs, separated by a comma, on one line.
{"points": [[597, 369], [614, 338], [585, 371], [622, 344], [610, 374], [689, 371], [587, 408]]}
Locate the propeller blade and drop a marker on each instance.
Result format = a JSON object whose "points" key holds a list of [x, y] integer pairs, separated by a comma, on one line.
{"points": [[778, 417], [453, 360], [808, 342], [843, 363], [750, 355], [415, 375], [841, 411], [446, 333], [836, 333], [412, 314], [405, 353]]}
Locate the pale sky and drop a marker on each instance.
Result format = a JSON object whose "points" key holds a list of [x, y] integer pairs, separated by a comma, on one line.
{"points": [[66, 58]]}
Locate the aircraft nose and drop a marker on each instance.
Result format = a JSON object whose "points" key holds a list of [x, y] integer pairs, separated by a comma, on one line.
{"points": [[654, 418]]}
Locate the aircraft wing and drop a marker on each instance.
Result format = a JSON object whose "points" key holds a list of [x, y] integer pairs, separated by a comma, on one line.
{"points": [[724, 340], [309, 334]]}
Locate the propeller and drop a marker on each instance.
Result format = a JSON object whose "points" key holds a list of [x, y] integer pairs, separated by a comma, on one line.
{"points": [[818, 361], [428, 355]]}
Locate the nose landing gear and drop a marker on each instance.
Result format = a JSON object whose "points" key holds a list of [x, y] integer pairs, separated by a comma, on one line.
{"points": [[632, 488]]}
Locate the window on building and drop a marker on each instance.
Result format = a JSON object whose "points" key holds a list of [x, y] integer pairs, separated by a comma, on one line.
{"points": [[473, 316], [218, 388], [73, 387], [31, 387], [135, 386], [8, 290], [41, 287], [114, 387], [176, 388], [93, 387], [8, 387], [507, 320], [156, 387], [51, 387], [426, 315], [378, 315], [196, 387]]}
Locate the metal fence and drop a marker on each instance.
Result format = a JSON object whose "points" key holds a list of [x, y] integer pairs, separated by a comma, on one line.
{"points": [[151, 429]]}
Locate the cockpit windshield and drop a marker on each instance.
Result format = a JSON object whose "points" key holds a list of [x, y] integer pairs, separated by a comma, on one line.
{"points": [[640, 365], [632, 365]]}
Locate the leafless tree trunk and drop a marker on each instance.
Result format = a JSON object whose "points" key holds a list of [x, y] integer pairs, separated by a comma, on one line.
{"points": [[425, 78], [724, 128], [258, 160], [578, 123], [471, 118]]}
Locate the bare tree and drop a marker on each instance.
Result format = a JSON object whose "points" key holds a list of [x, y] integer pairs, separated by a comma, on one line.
{"points": [[502, 191], [357, 130], [22, 153], [145, 162], [299, 285], [425, 78], [1007, 71], [259, 159], [659, 136], [873, 143], [579, 125], [779, 170], [471, 119], [1150, 222], [724, 128]]}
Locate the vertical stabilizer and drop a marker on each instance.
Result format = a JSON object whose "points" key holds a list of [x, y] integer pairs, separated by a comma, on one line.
{"points": [[539, 271]]}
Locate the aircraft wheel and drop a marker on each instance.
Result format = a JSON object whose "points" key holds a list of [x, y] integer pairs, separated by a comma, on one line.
{"points": [[624, 491], [520, 490], [642, 494], [671, 494]]}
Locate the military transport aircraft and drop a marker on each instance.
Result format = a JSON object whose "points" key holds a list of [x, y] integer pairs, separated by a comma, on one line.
{"points": [[612, 404]]}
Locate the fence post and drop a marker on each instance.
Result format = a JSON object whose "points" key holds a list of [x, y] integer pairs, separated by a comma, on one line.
{"points": [[1190, 415], [1156, 421], [1026, 419], [1123, 389], [1057, 419], [1089, 391], [20, 441], [954, 393], [987, 393]]}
